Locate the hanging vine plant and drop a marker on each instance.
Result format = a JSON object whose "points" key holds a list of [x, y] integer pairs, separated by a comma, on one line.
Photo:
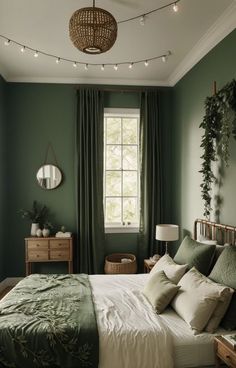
{"points": [[219, 123]]}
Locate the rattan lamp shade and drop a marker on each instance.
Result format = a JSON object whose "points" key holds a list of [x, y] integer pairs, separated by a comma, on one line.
{"points": [[93, 30]]}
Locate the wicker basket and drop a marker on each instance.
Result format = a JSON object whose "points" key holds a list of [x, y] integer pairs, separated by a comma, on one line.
{"points": [[113, 264]]}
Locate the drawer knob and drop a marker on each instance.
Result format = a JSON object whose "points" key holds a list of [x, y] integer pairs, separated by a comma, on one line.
{"points": [[37, 245], [37, 255]]}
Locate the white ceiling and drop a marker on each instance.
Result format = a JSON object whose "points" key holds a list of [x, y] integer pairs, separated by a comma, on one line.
{"points": [[43, 25]]}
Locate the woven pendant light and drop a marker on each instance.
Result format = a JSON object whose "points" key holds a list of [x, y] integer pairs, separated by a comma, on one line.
{"points": [[93, 30]]}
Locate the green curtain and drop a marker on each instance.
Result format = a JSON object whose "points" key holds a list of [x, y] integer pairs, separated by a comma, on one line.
{"points": [[89, 175], [151, 206]]}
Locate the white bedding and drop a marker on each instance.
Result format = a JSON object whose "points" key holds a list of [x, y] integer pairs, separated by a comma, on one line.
{"points": [[132, 335]]}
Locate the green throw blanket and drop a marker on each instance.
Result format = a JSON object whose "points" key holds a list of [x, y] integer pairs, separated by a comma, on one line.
{"points": [[49, 321]]}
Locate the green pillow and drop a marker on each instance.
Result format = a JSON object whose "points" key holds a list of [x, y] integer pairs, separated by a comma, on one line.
{"points": [[224, 272], [159, 290], [195, 254]]}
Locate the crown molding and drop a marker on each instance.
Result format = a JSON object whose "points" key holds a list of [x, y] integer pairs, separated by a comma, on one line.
{"points": [[141, 82], [224, 25]]}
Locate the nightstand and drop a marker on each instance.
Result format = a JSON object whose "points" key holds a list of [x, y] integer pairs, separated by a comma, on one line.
{"points": [[148, 265], [224, 352]]}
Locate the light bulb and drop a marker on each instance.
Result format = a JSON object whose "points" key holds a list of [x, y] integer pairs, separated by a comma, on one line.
{"points": [[36, 54], [58, 60], [116, 67], [146, 63], [142, 20], [164, 58], [175, 7], [130, 65], [86, 67], [102, 67], [7, 42], [22, 49], [74, 64]]}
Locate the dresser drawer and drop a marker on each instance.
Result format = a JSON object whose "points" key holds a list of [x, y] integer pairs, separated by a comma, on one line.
{"points": [[59, 244], [37, 255], [63, 254], [41, 244], [227, 355]]}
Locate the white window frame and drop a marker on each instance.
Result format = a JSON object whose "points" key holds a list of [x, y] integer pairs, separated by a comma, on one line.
{"points": [[122, 112]]}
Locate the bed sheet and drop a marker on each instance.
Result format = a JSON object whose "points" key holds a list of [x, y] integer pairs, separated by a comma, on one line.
{"points": [[129, 328]]}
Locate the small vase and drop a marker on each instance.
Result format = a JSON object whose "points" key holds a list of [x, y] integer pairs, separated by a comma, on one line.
{"points": [[39, 233], [46, 233], [34, 228]]}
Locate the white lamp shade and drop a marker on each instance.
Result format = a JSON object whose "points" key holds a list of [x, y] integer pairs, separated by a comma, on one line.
{"points": [[167, 232]]}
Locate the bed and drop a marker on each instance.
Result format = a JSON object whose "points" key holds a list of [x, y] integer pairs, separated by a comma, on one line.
{"points": [[129, 332]]}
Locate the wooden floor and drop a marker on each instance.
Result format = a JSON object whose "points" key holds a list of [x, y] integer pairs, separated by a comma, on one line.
{"points": [[5, 291]]}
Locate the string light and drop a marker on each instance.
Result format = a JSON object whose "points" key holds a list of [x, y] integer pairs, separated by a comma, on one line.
{"points": [[142, 20], [7, 42], [173, 4], [175, 7], [74, 63], [164, 59]]}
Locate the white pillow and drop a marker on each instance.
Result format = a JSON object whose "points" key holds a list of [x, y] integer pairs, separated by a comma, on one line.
{"points": [[197, 299], [173, 271]]}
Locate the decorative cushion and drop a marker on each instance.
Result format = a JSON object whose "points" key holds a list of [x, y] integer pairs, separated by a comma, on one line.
{"points": [[195, 254], [197, 299], [159, 290], [224, 272], [173, 271]]}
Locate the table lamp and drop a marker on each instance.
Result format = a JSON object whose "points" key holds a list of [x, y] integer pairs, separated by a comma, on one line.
{"points": [[167, 232]]}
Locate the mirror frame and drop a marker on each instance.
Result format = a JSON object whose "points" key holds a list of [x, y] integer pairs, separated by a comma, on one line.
{"points": [[59, 179]]}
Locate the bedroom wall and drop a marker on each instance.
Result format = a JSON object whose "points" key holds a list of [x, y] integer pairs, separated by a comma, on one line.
{"points": [[37, 114], [189, 96], [2, 174]]}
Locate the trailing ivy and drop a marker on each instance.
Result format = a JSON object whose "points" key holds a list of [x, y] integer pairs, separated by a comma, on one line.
{"points": [[219, 123]]}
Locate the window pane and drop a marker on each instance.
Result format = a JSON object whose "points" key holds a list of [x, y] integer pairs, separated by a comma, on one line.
{"points": [[130, 187], [130, 157], [130, 134], [113, 183], [113, 210], [113, 158], [130, 210], [113, 130]]}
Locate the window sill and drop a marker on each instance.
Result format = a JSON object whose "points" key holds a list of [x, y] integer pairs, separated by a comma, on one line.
{"points": [[121, 230]]}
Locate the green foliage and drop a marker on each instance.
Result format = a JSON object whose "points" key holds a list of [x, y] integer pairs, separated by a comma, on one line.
{"points": [[219, 123], [38, 213]]}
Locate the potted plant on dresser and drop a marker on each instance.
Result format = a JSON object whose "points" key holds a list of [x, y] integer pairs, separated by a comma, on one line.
{"points": [[37, 215]]}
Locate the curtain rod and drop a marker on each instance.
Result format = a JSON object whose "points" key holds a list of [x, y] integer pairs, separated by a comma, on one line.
{"points": [[121, 90]]}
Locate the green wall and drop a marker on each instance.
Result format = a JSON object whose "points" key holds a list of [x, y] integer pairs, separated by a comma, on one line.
{"points": [[189, 96], [3, 180], [36, 115]]}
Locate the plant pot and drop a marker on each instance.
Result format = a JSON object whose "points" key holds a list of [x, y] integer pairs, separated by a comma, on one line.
{"points": [[46, 233], [34, 228]]}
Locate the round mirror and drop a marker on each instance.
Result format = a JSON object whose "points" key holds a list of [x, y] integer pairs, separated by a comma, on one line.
{"points": [[49, 176]]}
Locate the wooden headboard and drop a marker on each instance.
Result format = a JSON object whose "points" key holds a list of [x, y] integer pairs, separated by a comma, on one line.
{"points": [[211, 230]]}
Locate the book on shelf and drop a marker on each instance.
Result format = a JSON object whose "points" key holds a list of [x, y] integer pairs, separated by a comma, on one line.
{"points": [[231, 338]]}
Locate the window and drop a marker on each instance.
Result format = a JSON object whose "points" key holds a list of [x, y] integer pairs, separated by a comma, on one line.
{"points": [[121, 169]]}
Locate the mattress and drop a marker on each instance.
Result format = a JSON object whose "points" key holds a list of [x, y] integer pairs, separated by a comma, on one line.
{"points": [[121, 308]]}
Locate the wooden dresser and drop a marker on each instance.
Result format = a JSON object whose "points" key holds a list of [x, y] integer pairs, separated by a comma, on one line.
{"points": [[48, 250]]}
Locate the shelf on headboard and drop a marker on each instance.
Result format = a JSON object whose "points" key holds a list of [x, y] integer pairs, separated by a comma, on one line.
{"points": [[211, 230]]}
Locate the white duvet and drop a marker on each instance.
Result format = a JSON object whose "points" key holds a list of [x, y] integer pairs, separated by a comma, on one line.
{"points": [[131, 334]]}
